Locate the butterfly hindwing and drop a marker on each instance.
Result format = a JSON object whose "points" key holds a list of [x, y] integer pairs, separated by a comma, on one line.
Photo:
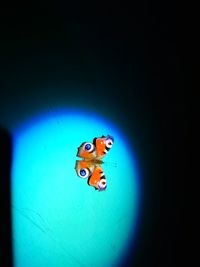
{"points": [[94, 173], [97, 178], [84, 168]]}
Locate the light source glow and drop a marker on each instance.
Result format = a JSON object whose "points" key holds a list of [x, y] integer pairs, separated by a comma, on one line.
{"points": [[58, 220]]}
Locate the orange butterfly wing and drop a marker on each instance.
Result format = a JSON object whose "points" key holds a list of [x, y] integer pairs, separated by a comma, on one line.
{"points": [[103, 145], [87, 151], [84, 169], [98, 179]]}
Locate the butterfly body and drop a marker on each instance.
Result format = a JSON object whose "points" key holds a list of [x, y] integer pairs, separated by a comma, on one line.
{"points": [[90, 165]]}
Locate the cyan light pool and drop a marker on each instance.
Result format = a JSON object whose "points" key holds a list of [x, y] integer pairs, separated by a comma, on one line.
{"points": [[58, 220]]}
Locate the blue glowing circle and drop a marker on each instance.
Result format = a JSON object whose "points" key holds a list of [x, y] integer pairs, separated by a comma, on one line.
{"points": [[82, 172], [58, 220], [87, 146]]}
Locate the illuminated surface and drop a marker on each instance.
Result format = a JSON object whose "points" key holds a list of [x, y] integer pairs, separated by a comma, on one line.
{"points": [[58, 219]]}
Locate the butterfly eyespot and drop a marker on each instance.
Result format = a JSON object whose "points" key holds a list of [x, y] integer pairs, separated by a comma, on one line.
{"points": [[83, 173], [89, 147], [109, 143], [102, 184]]}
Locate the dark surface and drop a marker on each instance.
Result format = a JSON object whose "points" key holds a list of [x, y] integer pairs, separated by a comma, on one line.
{"points": [[5, 198], [122, 61]]}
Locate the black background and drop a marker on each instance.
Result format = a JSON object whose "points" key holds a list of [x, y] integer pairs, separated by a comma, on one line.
{"points": [[120, 60]]}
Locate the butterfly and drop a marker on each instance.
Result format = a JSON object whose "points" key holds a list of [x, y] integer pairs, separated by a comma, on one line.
{"points": [[90, 165]]}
